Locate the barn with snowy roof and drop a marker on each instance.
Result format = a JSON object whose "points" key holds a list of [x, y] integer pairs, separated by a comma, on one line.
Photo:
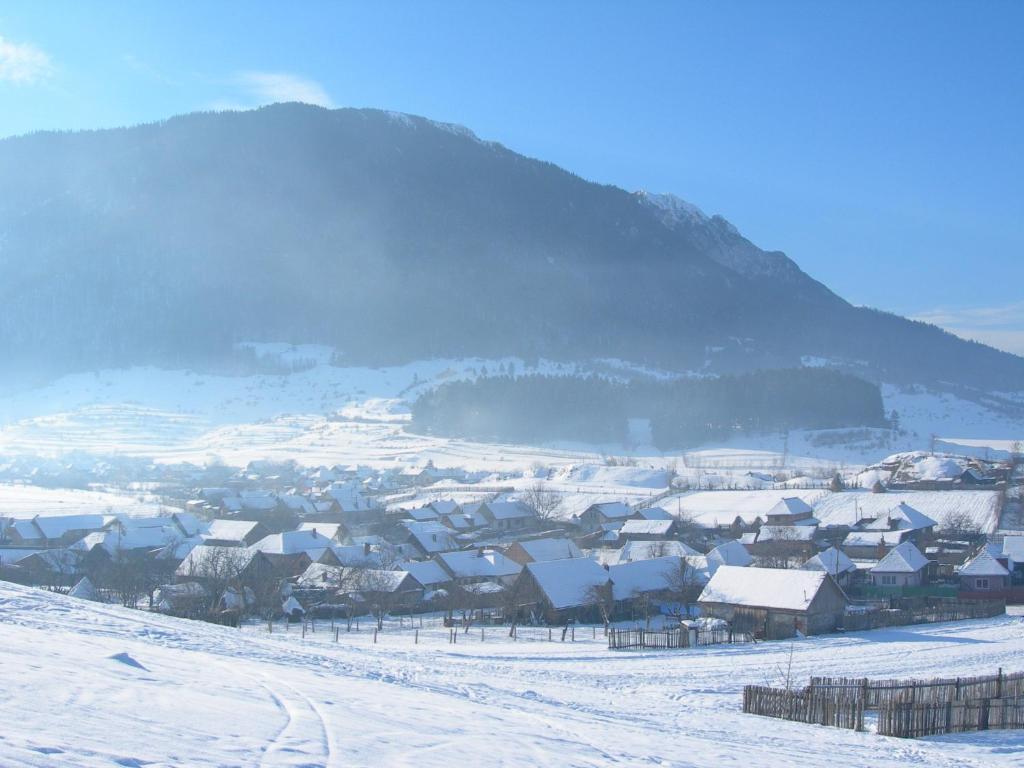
{"points": [[774, 603]]}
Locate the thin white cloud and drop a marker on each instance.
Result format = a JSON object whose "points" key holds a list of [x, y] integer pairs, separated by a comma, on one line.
{"points": [[23, 63], [273, 87], [999, 326]]}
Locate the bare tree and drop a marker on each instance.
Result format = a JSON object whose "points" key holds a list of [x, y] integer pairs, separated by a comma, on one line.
{"points": [[217, 568], [683, 585], [960, 525], [544, 501], [601, 597], [784, 550]]}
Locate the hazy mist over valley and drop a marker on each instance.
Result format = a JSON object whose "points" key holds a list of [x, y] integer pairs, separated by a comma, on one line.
{"points": [[576, 384]]}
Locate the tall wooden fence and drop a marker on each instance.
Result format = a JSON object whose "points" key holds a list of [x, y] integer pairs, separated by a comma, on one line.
{"points": [[805, 706], [642, 639], [884, 693], [958, 610], [909, 721]]}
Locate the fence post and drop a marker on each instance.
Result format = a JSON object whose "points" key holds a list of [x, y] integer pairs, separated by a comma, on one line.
{"points": [[335, 634], [374, 634], [416, 637], [303, 628]]}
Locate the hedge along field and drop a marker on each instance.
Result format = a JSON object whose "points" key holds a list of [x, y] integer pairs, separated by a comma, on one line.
{"points": [[682, 412]]}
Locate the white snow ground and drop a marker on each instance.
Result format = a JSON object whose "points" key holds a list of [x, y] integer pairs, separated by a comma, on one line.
{"points": [[323, 414], [26, 501], [93, 685]]}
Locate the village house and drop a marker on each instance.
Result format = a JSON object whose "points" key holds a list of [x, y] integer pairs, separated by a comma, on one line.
{"points": [[539, 550], [429, 573], [56, 531], [904, 566], [833, 562], [596, 515], [639, 583], [476, 565], [652, 513], [508, 515], [1011, 555], [781, 545], [774, 603], [984, 573], [336, 533], [429, 538], [234, 533], [644, 550], [557, 591], [791, 511], [648, 530]]}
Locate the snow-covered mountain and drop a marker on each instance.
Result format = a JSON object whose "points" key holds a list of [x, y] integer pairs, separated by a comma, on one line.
{"points": [[395, 238]]}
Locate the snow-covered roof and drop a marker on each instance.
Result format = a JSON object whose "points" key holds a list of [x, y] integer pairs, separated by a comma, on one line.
{"points": [[230, 530], [790, 506], [318, 575], [426, 572], [654, 575], [355, 554], [510, 510], [135, 538], [385, 581], [647, 550], [902, 517], [327, 530], [729, 553], [431, 536], [874, 538], [189, 523], [567, 583], [654, 513], [612, 510], [214, 558], [832, 561], [905, 558], [297, 503], [1013, 546], [292, 543], [479, 563], [983, 564], [781, 589], [550, 549], [646, 527], [55, 527], [445, 506]]}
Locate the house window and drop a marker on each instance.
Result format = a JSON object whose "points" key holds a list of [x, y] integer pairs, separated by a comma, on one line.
{"points": [[888, 581], [981, 583]]}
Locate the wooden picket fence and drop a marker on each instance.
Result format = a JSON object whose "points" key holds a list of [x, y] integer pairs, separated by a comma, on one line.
{"points": [[634, 639], [805, 706], [884, 693], [644, 639], [953, 610], [911, 721]]}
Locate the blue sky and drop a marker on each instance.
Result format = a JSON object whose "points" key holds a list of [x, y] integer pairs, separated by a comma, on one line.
{"points": [[879, 144]]}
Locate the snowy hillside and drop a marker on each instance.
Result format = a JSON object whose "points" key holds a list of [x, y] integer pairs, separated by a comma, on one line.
{"points": [[95, 685], [319, 413]]}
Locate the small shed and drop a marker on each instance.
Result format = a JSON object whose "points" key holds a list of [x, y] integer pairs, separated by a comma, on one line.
{"points": [[772, 602]]}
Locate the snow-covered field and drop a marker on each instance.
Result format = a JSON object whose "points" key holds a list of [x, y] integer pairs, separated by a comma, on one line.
{"points": [[981, 507], [92, 685], [319, 413], [714, 508], [25, 501]]}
